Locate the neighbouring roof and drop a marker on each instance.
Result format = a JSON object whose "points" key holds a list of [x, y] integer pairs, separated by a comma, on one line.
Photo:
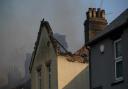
{"points": [[119, 22], [83, 51]]}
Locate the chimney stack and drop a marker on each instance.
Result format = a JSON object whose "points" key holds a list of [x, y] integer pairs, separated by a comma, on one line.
{"points": [[94, 23]]}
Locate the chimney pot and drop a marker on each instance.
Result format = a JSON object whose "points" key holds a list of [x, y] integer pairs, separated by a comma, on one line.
{"points": [[98, 9], [98, 13], [94, 12], [90, 9], [103, 13], [94, 9], [89, 13]]}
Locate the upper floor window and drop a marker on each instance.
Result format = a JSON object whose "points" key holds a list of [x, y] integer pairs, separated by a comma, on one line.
{"points": [[118, 60], [48, 65], [39, 79], [49, 75]]}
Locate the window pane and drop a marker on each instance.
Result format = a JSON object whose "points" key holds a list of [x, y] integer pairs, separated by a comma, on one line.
{"points": [[118, 49], [119, 69]]}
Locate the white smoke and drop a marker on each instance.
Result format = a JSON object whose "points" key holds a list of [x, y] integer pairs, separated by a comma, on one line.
{"points": [[19, 25]]}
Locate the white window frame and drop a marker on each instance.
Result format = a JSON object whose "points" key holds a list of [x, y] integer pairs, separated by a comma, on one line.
{"points": [[117, 59]]}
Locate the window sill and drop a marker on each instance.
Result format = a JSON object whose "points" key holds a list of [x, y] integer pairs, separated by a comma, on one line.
{"points": [[117, 82]]}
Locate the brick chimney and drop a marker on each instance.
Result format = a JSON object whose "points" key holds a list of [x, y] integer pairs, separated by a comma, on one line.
{"points": [[94, 23]]}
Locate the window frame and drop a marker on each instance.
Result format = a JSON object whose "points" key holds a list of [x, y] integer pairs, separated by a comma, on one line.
{"points": [[117, 60]]}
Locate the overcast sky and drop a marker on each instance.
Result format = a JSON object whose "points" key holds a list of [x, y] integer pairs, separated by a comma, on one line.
{"points": [[20, 20]]}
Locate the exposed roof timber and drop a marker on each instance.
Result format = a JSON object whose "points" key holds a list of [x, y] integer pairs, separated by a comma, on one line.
{"points": [[61, 45]]}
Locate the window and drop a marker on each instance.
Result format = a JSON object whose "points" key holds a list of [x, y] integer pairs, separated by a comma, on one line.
{"points": [[49, 75], [118, 60], [48, 65], [39, 79]]}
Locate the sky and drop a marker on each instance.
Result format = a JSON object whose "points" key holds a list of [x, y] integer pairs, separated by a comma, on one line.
{"points": [[20, 21]]}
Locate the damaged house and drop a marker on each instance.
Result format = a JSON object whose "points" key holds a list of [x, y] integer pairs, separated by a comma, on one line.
{"points": [[52, 68]]}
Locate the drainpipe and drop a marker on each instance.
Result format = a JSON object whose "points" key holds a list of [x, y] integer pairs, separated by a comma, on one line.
{"points": [[89, 58]]}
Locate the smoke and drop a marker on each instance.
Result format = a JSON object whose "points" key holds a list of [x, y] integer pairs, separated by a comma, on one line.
{"points": [[19, 25], [62, 39], [68, 19]]}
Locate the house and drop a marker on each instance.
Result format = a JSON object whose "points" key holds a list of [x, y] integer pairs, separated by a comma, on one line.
{"points": [[52, 68], [108, 55], [43, 65]]}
